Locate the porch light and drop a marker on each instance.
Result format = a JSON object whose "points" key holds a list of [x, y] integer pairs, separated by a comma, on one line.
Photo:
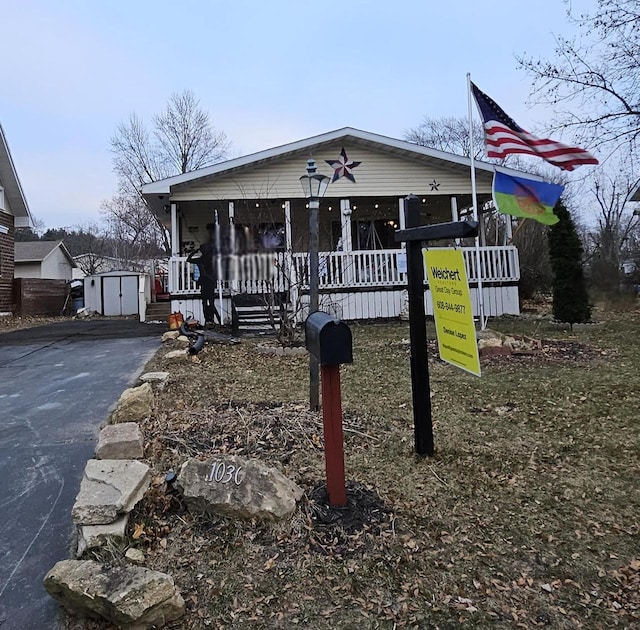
{"points": [[314, 184]]}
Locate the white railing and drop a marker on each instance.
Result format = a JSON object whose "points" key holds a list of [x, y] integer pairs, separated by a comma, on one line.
{"points": [[251, 273], [261, 273]]}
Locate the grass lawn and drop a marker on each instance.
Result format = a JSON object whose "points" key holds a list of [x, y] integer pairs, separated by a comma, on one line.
{"points": [[528, 515]]}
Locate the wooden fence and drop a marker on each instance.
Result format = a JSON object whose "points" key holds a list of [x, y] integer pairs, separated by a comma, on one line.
{"points": [[36, 296]]}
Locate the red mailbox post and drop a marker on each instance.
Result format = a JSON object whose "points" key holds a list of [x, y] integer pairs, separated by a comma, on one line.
{"points": [[329, 340], [333, 441]]}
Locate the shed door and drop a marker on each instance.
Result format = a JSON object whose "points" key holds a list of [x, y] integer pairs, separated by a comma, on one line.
{"points": [[120, 295], [111, 295], [129, 295]]}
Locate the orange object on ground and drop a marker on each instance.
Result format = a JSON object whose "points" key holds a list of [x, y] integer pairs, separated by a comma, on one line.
{"points": [[175, 320]]}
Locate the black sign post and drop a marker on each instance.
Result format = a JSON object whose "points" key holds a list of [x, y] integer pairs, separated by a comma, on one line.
{"points": [[414, 234]]}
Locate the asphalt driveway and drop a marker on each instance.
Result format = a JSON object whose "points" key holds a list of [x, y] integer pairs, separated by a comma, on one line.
{"points": [[57, 384]]}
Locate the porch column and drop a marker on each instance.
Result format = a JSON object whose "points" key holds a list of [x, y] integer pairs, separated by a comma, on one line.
{"points": [[233, 267], [345, 218], [287, 226], [401, 215], [175, 231], [348, 272], [454, 213], [290, 275], [508, 229]]}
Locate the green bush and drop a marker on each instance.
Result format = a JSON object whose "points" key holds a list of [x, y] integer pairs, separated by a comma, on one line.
{"points": [[570, 297]]}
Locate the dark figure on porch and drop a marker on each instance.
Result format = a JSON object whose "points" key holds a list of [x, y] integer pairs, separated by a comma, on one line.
{"points": [[205, 259]]}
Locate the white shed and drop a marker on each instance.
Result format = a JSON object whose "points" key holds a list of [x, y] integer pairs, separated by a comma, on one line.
{"points": [[115, 293]]}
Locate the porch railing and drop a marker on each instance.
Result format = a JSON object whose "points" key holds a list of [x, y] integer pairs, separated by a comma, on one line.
{"points": [[261, 273]]}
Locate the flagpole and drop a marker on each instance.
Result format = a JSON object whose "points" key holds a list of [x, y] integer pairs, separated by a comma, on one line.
{"points": [[474, 199]]}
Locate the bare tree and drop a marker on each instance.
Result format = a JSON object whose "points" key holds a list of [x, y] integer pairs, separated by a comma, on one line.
{"points": [[133, 228], [615, 229], [448, 133], [593, 81], [185, 137], [89, 245], [182, 139]]}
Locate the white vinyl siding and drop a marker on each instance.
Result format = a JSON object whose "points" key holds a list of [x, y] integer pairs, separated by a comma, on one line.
{"points": [[379, 174]]}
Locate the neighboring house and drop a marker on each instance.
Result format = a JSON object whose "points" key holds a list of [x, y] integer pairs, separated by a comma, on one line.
{"points": [[362, 268], [14, 213], [49, 260], [89, 264]]}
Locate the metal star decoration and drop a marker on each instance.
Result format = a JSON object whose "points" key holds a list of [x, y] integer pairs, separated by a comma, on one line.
{"points": [[342, 167], [434, 185]]}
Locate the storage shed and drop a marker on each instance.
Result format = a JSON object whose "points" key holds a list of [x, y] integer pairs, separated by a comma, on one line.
{"points": [[114, 293]]}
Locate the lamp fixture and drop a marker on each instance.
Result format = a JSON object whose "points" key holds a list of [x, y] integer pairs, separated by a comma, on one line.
{"points": [[314, 184]]}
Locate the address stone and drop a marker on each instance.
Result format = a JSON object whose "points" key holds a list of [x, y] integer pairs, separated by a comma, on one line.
{"points": [[240, 488]]}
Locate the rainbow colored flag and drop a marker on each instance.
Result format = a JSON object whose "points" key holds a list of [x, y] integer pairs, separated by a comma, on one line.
{"points": [[521, 197]]}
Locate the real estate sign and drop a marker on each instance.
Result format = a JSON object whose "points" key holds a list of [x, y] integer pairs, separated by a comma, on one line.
{"points": [[452, 308]]}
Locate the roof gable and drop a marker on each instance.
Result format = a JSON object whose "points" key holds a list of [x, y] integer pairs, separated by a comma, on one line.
{"points": [[38, 251], [313, 145]]}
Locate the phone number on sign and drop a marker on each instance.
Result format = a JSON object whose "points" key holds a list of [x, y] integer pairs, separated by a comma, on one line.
{"points": [[447, 306]]}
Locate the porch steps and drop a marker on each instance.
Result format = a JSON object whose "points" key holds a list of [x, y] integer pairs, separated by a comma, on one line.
{"points": [[158, 311], [256, 314], [260, 319]]}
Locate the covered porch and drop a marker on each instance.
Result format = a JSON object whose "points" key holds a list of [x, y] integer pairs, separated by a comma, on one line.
{"points": [[255, 206]]}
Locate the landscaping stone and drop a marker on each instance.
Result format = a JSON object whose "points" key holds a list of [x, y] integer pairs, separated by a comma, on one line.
{"points": [[176, 354], [92, 536], [404, 313], [170, 335], [155, 378], [135, 404], [109, 488], [493, 351], [120, 441], [238, 488], [278, 351], [136, 556], [182, 339], [127, 596], [489, 342]]}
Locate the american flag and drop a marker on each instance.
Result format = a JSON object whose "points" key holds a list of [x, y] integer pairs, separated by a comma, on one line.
{"points": [[504, 136]]}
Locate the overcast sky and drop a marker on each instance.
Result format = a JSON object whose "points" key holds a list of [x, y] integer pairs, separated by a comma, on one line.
{"points": [[268, 71]]}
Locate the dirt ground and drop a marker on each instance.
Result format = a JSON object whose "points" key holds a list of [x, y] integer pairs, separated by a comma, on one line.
{"points": [[527, 516]]}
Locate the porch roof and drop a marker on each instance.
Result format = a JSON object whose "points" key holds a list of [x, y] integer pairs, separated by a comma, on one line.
{"points": [[11, 183], [155, 192]]}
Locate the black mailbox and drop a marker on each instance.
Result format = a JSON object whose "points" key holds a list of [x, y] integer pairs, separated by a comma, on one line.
{"points": [[328, 339]]}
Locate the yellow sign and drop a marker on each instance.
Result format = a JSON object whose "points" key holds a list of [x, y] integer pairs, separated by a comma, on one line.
{"points": [[452, 308]]}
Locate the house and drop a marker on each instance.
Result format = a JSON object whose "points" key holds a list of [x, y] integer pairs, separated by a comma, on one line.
{"points": [[48, 260], [90, 263], [362, 267], [14, 213]]}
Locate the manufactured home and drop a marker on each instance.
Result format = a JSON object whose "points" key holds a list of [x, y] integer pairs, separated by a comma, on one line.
{"points": [[362, 268]]}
